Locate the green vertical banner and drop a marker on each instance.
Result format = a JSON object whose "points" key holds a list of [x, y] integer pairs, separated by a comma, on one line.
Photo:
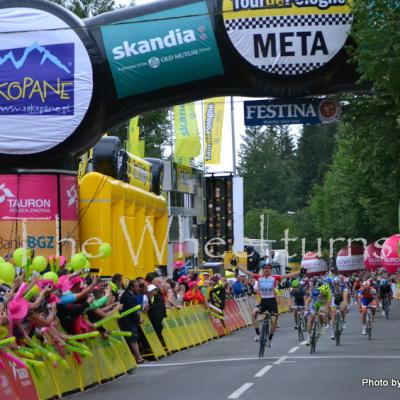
{"points": [[187, 144]]}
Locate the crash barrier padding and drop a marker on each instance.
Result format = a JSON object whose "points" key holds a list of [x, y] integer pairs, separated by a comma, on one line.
{"points": [[183, 328], [133, 221]]}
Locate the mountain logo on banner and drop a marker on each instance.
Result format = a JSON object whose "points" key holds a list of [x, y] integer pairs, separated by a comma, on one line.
{"points": [[5, 193], [37, 80], [46, 55], [72, 196]]}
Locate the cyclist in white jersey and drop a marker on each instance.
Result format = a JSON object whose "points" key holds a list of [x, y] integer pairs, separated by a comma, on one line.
{"points": [[266, 286]]}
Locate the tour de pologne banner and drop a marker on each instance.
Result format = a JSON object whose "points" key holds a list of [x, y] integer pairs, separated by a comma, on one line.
{"points": [[286, 112], [213, 121], [187, 143], [162, 49], [33, 202]]}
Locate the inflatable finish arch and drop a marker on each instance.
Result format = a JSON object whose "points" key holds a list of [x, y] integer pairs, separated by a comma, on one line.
{"points": [[65, 81]]}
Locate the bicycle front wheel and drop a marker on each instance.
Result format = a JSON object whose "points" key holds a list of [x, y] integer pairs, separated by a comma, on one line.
{"points": [[314, 336], [263, 338], [369, 325], [338, 329]]}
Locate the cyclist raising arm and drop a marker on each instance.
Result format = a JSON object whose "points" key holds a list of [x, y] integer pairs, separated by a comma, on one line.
{"points": [[266, 285]]}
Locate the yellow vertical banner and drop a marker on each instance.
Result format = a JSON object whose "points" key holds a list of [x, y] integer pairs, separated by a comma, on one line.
{"points": [[187, 144], [213, 120], [135, 145]]}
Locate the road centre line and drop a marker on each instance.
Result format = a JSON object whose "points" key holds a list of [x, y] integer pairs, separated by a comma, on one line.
{"points": [[237, 393], [262, 371], [293, 349]]}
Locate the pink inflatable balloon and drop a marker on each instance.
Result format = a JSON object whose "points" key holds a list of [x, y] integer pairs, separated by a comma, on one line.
{"points": [[372, 257], [350, 259], [390, 254], [313, 265]]}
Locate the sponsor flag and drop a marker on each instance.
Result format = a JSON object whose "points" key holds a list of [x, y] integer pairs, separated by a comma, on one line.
{"points": [[213, 120], [187, 143], [135, 145]]}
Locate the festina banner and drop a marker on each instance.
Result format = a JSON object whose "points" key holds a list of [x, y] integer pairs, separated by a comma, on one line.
{"points": [[213, 120], [284, 112], [187, 144]]}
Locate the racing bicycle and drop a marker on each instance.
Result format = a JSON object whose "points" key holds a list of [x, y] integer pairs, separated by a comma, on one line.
{"points": [[369, 322], [264, 333], [338, 326], [300, 322], [386, 306]]}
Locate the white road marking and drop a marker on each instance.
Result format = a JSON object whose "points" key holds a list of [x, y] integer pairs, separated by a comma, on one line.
{"points": [[303, 342], [237, 393], [293, 349], [280, 360], [263, 371], [177, 364], [345, 357]]}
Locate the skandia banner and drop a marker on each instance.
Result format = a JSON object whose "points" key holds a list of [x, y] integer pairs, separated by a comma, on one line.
{"points": [[284, 112], [213, 120], [187, 143], [162, 49], [46, 80], [288, 37]]}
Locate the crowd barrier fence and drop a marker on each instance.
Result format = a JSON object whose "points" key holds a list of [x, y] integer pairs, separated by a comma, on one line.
{"points": [[183, 328]]}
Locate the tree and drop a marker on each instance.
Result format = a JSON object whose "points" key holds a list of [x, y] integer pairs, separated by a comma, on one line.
{"points": [[266, 167], [314, 154], [87, 8]]}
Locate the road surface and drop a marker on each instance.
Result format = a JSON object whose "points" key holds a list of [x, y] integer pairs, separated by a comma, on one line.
{"points": [[229, 368]]}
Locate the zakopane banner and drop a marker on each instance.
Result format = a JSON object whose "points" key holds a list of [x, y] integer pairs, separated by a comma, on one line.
{"points": [[213, 121], [187, 144]]}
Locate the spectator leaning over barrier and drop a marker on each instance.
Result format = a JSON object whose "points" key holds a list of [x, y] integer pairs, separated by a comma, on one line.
{"points": [[194, 294], [117, 286], [157, 311], [131, 322], [239, 289], [217, 293]]}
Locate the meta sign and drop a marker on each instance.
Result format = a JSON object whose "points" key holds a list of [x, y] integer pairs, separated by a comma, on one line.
{"points": [[284, 112]]}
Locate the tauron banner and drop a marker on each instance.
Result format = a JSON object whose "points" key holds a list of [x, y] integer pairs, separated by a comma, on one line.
{"points": [[288, 37], [162, 49], [187, 143], [286, 112], [213, 122]]}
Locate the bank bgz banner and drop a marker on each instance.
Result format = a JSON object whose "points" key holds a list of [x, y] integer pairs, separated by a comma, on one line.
{"points": [[213, 121], [162, 49], [187, 143], [288, 37]]}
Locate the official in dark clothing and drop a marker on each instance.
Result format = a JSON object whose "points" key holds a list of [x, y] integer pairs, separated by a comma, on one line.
{"points": [[157, 311], [131, 322]]}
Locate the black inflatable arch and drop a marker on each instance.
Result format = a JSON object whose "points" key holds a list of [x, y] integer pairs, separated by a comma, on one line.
{"points": [[65, 81]]}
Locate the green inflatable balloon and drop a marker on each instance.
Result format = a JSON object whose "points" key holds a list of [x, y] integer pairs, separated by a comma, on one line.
{"points": [[105, 250], [2, 260], [39, 263], [7, 273], [51, 276], [78, 262]]}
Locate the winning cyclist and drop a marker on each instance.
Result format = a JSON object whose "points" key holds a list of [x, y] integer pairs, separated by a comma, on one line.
{"points": [[367, 298], [318, 303], [266, 286]]}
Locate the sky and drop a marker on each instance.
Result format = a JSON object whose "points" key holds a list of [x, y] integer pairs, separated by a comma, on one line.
{"points": [[226, 165]]}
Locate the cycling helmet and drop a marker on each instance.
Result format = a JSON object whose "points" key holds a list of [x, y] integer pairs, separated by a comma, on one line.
{"points": [[366, 284], [384, 282], [325, 289], [302, 283], [295, 283], [315, 292], [336, 280]]}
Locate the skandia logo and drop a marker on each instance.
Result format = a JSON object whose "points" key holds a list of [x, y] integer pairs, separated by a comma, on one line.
{"points": [[173, 38], [5, 193]]}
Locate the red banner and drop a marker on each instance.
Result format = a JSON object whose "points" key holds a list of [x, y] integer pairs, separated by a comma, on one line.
{"points": [[15, 382]]}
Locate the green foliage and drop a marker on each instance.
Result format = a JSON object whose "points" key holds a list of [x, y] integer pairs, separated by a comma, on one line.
{"points": [[266, 164], [87, 8], [377, 36]]}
